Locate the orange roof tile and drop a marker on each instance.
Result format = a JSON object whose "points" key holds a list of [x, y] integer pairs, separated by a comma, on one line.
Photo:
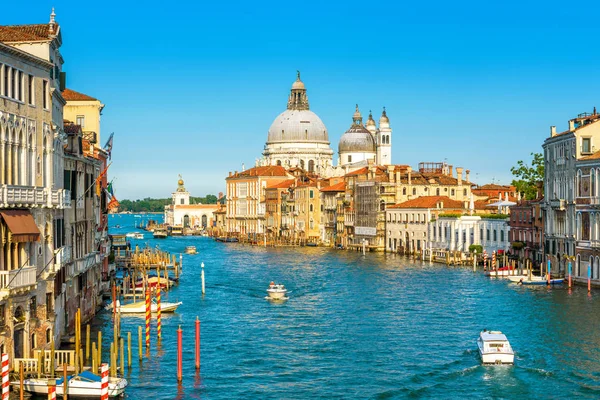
{"points": [[271, 170], [338, 187], [71, 95], [429, 202], [281, 185], [24, 33], [594, 156]]}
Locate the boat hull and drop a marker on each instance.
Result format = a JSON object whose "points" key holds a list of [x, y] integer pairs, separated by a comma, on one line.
{"points": [[140, 308], [75, 388], [543, 282], [277, 295]]}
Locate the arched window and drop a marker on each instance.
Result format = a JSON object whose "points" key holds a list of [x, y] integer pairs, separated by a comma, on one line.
{"points": [[414, 193], [278, 164], [311, 166], [302, 164], [349, 160], [403, 193], [310, 207], [382, 206], [437, 193]]}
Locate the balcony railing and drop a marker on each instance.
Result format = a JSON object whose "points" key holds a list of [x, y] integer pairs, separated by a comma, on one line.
{"points": [[33, 196], [82, 264], [17, 278], [559, 204]]}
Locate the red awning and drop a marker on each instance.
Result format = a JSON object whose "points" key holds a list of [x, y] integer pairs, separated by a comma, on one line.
{"points": [[21, 224]]}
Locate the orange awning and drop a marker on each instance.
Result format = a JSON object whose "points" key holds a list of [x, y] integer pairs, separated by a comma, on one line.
{"points": [[21, 224]]}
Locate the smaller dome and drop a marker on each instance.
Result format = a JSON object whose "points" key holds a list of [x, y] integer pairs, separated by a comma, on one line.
{"points": [[357, 139], [298, 84], [384, 117], [370, 121]]}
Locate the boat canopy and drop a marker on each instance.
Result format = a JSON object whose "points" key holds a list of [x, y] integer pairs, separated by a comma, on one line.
{"points": [[490, 336]]}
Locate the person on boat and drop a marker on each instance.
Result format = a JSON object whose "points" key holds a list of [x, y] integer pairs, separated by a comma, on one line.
{"points": [[520, 281], [272, 285]]}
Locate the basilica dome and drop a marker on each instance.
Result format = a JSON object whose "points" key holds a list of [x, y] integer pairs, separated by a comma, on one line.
{"points": [[298, 126], [357, 138]]}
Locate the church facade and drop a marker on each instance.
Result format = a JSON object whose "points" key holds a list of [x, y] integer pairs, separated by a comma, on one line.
{"points": [[180, 213]]}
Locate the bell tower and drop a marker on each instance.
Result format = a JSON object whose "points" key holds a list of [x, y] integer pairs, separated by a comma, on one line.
{"points": [[384, 141], [181, 196]]}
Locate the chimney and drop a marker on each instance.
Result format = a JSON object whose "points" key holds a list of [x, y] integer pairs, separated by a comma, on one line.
{"points": [[449, 170], [459, 172], [571, 125], [390, 171], [552, 131], [409, 169], [230, 174], [243, 167], [467, 177]]}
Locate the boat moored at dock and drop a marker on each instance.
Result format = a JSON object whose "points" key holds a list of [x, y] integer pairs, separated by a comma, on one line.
{"points": [[84, 385]]}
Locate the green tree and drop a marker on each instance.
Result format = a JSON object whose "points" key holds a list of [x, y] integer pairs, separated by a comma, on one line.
{"points": [[527, 176]]}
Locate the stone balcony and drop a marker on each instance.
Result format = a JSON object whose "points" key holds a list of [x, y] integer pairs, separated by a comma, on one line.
{"points": [[33, 196], [17, 281], [82, 264]]}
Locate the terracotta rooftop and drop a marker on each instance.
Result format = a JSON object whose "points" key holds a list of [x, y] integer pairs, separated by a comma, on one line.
{"points": [[280, 185], [594, 156], [71, 95], [584, 121], [491, 186], [272, 170], [338, 187], [25, 33], [429, 202]]}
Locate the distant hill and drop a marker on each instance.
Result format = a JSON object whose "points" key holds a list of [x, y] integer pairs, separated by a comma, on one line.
{"points": [[158, 205]]}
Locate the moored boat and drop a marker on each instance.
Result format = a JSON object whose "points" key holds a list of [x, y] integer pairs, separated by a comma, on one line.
{"points": [[277, 292], [138, 236], [154, 280], [83, 385], [139, 307], [159, 233], [494, 348]]}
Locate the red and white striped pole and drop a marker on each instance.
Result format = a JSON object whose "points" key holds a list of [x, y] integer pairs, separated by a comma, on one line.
{"points": [[179, 355], [493, 266], [197, 343], [148, 310], [104, 382], [51, 389], [158, 312], [5, 381], [485, 260]]}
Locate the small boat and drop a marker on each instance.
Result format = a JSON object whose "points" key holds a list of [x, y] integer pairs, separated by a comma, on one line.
{"points": [[541, 281], [153, 281], [83, 385], [277, 292], [130, 234], [159, 233], [501, 272], [191, 250], [139, 307], [494, 348], [138, 236]]}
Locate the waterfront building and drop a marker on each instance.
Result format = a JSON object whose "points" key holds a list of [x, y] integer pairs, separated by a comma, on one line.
{"points": [[85, 111], [180, 214], [32, 195], [527, 231], [246, 198], [407, 223], [277, 198], [561, 153], [458, 232], [308, 209], [86, 244], [332, 198], [587, 208]]}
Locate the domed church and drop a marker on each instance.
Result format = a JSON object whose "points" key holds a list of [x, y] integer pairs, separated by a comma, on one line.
{"points": [[298, 137], [359, 143]]}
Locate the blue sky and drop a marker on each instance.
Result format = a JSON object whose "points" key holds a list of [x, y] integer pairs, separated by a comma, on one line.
{"points": [[192, 87]]}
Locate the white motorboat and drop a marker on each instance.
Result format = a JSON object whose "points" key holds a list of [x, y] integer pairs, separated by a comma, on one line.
{"points": [[494, 348], [191, 250], [277, 292], [84, 385], [139, 307], [131, 234], [138, 236]]}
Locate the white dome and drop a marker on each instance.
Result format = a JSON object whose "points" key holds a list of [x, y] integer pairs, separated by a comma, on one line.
{"points": [[357, 139], [298, 126]]}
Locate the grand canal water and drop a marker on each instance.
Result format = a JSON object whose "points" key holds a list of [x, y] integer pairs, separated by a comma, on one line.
{"points": [[366, 327]]}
